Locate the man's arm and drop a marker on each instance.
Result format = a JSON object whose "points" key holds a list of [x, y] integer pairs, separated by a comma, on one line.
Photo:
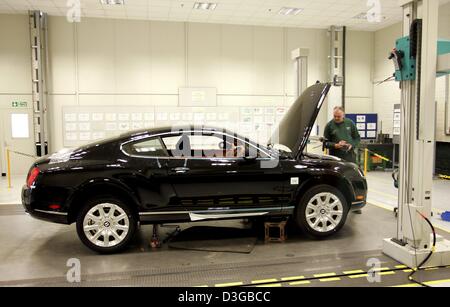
{"points": [[356, 138], [327, 135]]}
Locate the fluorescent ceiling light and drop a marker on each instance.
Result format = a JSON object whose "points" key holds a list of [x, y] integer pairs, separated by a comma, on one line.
{"points": [[289, 11], [112, 2], [205, 6]]}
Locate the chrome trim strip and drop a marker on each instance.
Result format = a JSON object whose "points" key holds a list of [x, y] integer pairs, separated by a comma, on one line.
{"points": [[212, 211], [233, 210], [52, 212], [199, 217]]}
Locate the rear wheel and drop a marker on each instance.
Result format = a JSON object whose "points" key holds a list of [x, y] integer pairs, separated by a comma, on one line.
{"points": [[322, 211], [106, 224]]}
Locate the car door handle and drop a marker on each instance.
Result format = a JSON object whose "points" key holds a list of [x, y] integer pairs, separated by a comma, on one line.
{"points": [[180, 170]]}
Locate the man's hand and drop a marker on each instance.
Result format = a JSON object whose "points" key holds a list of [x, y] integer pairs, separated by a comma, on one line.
{"points": [[340, 145]]}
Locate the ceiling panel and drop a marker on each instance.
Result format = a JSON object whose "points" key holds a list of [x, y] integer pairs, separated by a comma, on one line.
{"points": [[316, 13]]}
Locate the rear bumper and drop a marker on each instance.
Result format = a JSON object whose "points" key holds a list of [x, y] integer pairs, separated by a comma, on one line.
{"points": [[39, 211]]}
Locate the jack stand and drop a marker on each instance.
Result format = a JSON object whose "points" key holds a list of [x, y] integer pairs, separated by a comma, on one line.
{"points": [[280, 226], [155, 242]]}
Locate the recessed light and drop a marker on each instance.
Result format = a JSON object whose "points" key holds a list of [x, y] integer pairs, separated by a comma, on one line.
{"points": [[289, 11], [112, 2], [205, 6], [363, 16]]}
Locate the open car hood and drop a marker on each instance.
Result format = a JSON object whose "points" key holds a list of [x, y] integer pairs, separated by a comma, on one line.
{"points": [[295, 127]]}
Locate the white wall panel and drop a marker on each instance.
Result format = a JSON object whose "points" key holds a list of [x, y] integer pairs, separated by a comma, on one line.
{"points": [[15, 54], [203, 55], [359, 53], [96, 55], [236, 60], [62, 60], [132, 60], [268, 65], [167, 57]]}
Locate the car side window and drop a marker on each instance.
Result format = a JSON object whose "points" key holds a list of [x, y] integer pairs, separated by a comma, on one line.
{"points": [[209, 146], [146, 148]]}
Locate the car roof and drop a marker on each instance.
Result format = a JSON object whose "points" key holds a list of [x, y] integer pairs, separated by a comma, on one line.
{"points": [[176, 128]]}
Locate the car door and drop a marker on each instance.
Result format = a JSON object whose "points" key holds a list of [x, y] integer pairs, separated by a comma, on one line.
{"points": [[213, 175], [150, 182]]}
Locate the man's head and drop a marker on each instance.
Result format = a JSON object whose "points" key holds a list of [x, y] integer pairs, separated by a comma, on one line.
{"points": [[338, 115]]}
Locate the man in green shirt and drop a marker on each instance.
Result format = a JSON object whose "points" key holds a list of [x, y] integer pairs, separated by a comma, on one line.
{"points": [[341, 136]]}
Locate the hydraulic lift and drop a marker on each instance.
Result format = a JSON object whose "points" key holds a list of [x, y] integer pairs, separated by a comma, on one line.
{"points": [[419, 59]]}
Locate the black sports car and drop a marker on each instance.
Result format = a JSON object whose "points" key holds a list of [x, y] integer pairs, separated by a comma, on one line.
{"points": [[182, 174]]}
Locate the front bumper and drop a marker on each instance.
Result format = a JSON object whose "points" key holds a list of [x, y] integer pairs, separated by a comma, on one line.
{"points": [[39, 211], [358, 205]]}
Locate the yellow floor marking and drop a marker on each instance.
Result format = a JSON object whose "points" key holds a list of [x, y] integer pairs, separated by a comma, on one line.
{"points": [[329, 279], [292, 278], [431, 269], [353, 272], [302, 282], [359, 276], [401, 266], [408, 271], [263, 281], [230, 284], [387, 273], [269, 286], [406, 286], [433, 282], [203, 286], [325, 275]]}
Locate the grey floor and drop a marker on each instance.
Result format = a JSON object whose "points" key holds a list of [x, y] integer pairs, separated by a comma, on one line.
{"points": [[36, 253]]}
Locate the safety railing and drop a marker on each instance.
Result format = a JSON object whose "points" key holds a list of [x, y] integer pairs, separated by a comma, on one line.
{"points": [[8, 162]]}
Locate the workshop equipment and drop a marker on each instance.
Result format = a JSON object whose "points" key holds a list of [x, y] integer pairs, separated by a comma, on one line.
{"points": [[446, 216], [419, 58]]}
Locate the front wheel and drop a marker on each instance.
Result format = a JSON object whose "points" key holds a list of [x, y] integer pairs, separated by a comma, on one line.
{"points": [[106, 225], [322, 211]]}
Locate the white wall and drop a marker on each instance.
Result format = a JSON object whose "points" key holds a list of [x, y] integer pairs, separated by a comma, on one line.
{"points": [[15, 79], [388, 93], [131, 62], [359, 72]]}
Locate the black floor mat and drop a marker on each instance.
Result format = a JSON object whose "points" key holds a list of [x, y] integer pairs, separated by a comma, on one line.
{"points": [[215, 239]]}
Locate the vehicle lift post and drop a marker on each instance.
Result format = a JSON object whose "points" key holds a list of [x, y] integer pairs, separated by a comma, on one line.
{"points": [[418, 63]]}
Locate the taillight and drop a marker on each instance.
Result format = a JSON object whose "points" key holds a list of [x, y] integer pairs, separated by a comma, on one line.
{"points": [[32, 176]]}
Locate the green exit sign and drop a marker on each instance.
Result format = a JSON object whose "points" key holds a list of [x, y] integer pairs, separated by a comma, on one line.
{"points": [[19, 104]]}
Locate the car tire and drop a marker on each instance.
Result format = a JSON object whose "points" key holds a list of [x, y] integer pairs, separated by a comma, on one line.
{"points": [[322, 211], [106, 224]]}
